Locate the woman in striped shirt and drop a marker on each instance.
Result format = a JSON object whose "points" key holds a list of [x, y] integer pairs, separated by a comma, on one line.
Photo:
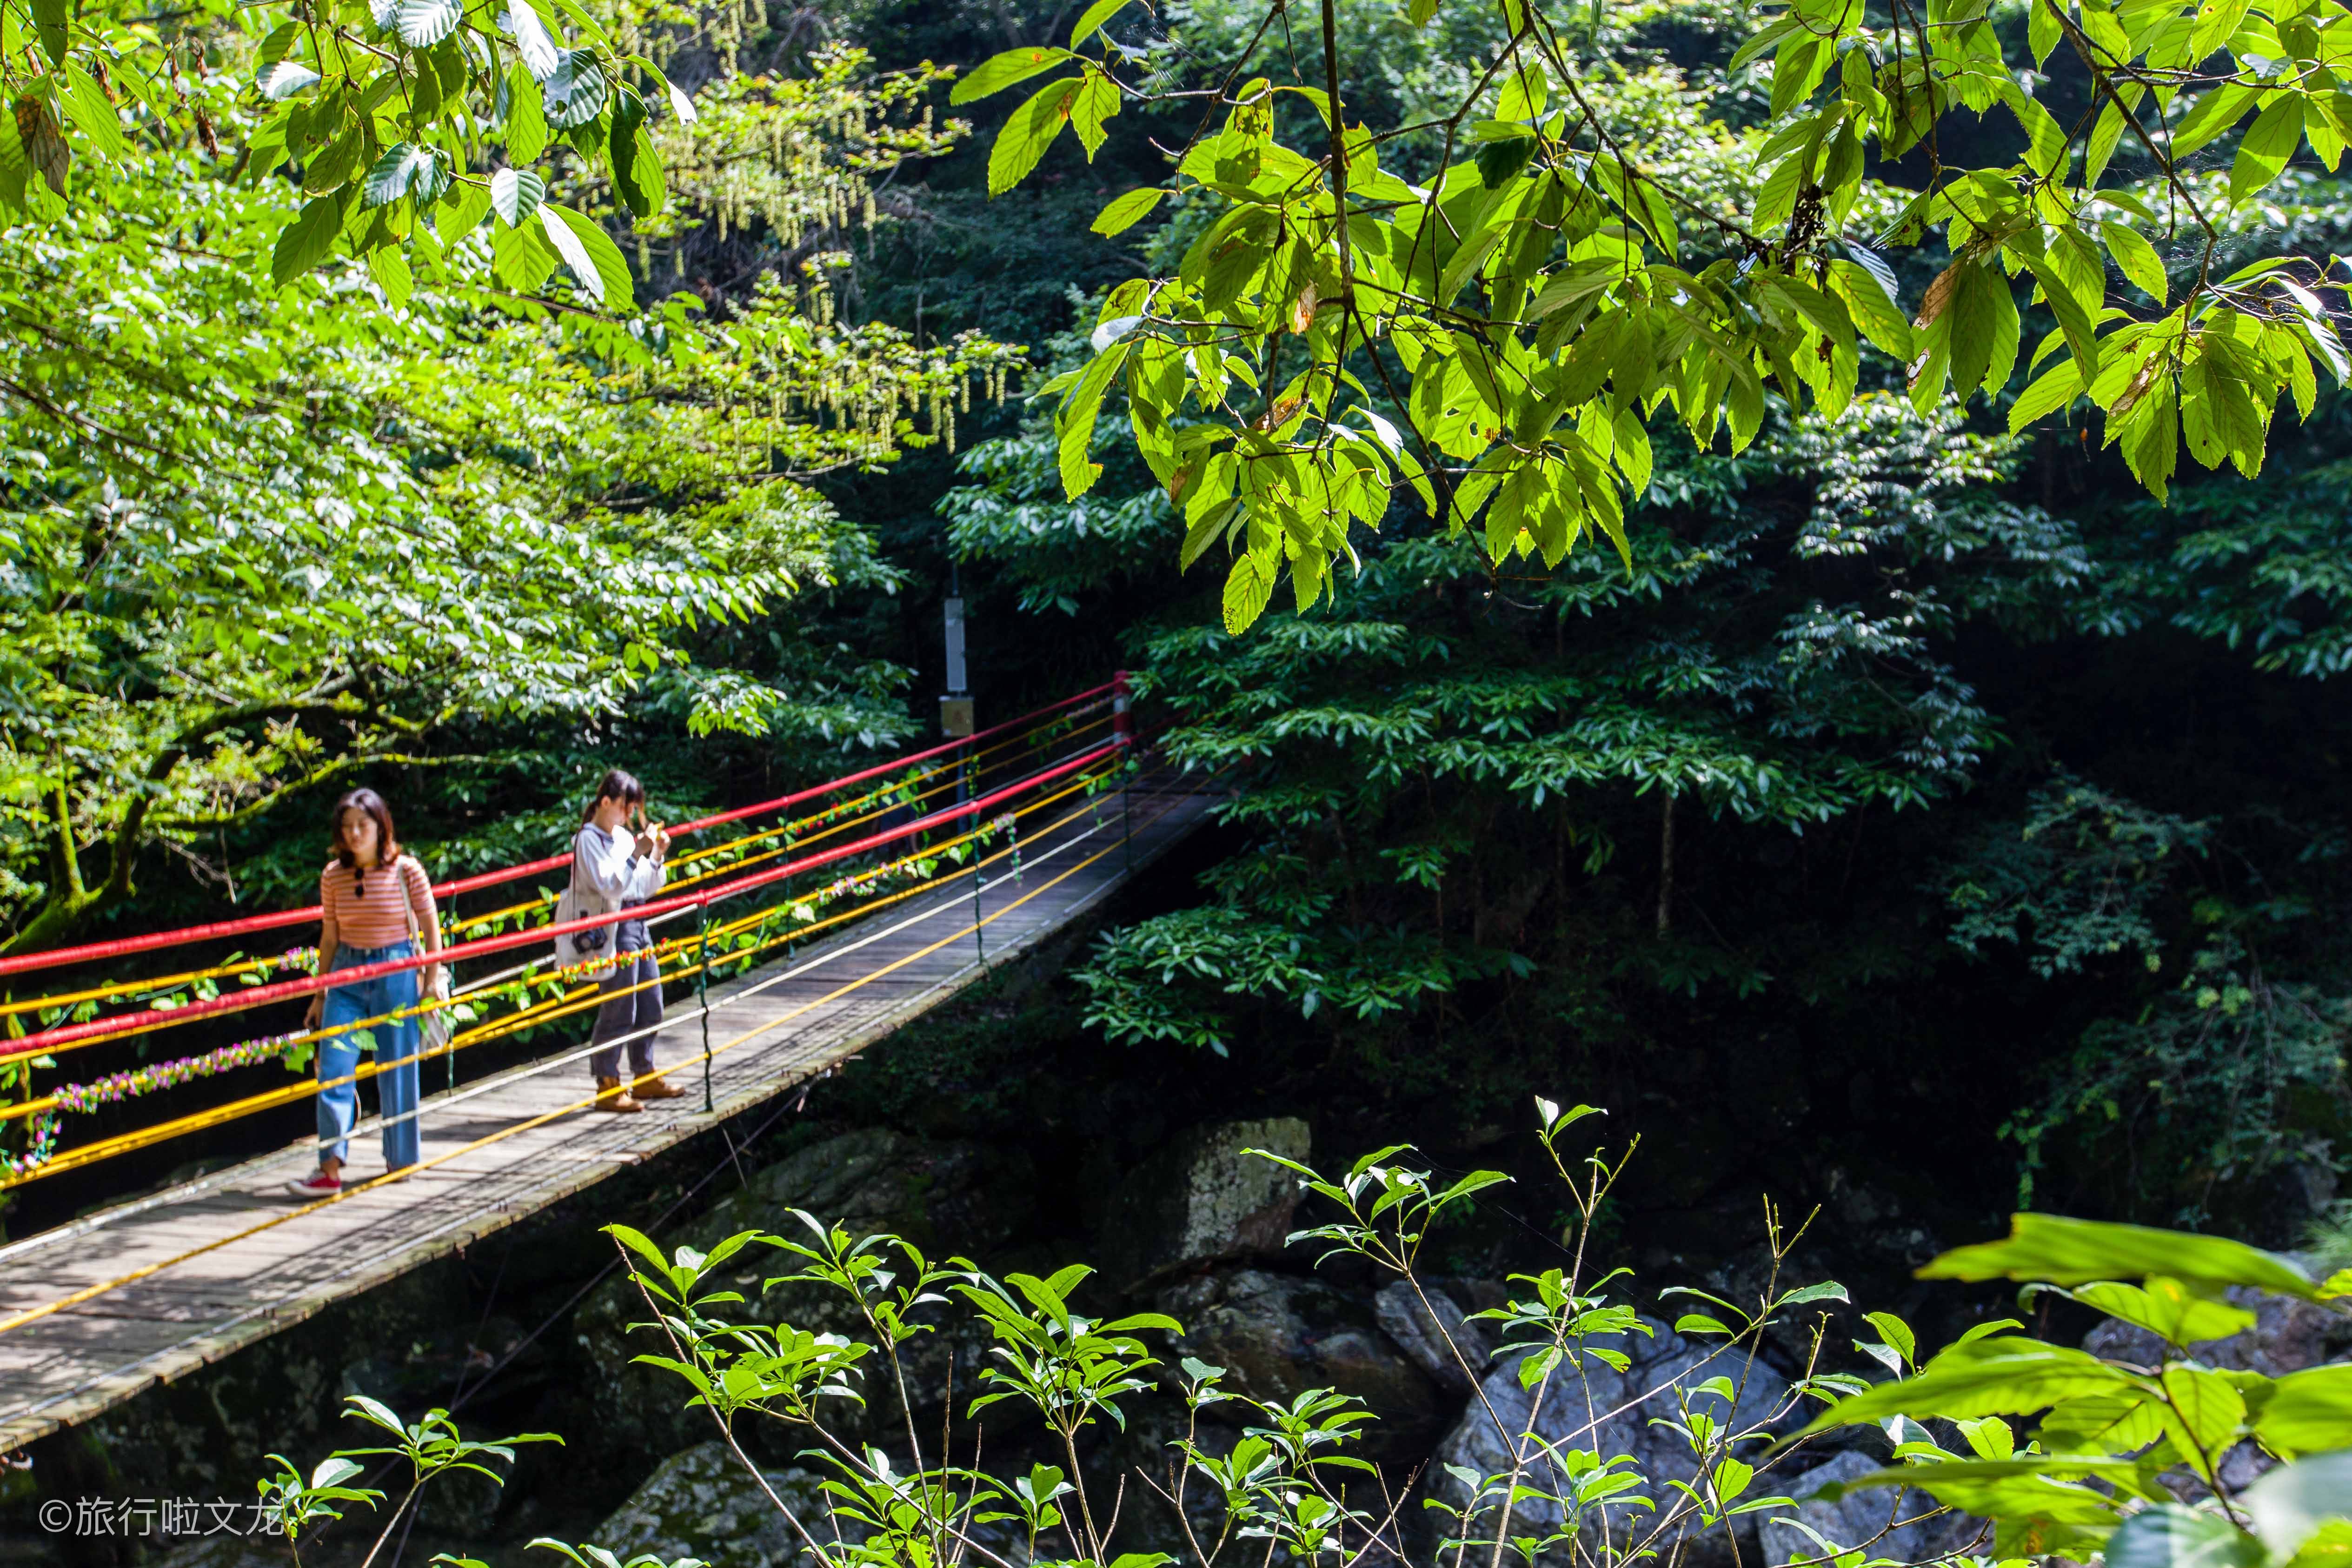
{"points": [[377, 905]]}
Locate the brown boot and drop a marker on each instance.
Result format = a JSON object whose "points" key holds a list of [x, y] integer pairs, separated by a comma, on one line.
{"points": [[652, 1086], [611, 1096]]}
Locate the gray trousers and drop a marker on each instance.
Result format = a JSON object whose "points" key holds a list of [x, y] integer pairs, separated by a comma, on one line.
{"points": [[623, 1016]]}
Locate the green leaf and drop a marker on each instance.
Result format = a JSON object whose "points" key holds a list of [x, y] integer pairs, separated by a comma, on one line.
{"points": [[2043, 30], [284, 79], [573, 93], [2135, 257], [591, 253], [389, 268], [2151, 437], [537, 47], [2176, 1536], [1249, 589], [1074, 421], [1897, 1333], [2169, 1309], [2207, 1406], [2308, 1412], [405, 170], [526, 126], [2045, 138], [1000, 71], [50, 19], [1499, 162], [515, 194], [86, 105], [637, 173], [1993, 1376], [1096, 15], [307, 240], [424, 23], [1124, 213], [2269, 142], [2212, 115], [1097, 102], [2057, 387], [1028, 133], [13, 172], [456, 218], [1870, 299], [2078, 1251]]}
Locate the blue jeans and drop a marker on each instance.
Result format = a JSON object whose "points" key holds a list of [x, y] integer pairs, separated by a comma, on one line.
{"points": [[395, 1043]]}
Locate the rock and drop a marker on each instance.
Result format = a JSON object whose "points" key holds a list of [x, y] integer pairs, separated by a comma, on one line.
{"points": [[946, 1198], [1421, 1324], [2288, 1335], [1876, 1520], [1278, 1336], [1625, 1403], [1203, 1200], [702, 1503]]}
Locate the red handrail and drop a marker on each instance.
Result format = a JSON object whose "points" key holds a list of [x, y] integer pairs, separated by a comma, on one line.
{"points": [[25, 961], [66, 1034]]}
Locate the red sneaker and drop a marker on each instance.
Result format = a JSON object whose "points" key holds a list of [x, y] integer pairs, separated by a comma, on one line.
{"points": [[317, 1184]]}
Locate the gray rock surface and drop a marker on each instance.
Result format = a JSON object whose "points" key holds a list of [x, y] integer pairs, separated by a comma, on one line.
{"points": [[1609, 1414], [701, 1504], [1279, 1336], [1434, 1334], [1202, 1200]]}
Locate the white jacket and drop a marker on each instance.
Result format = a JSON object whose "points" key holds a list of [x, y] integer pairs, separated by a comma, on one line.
{"points": [[607, 873]]}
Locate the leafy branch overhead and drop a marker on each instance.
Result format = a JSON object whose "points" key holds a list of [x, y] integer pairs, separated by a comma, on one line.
{"points": [[1492, 337]]}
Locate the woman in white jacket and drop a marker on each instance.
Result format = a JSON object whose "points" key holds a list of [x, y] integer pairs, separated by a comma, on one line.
{"points": [[618, 868]]}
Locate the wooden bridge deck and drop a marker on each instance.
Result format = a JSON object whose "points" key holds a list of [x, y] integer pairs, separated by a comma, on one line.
{"points": [[771, 1030]]}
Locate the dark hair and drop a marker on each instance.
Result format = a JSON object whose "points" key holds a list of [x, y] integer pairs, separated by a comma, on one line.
{"points": [[617, 785], [387, 843]]}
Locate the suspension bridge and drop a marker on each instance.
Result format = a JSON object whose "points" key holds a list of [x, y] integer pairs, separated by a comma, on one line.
{"points": [[833, 916]]}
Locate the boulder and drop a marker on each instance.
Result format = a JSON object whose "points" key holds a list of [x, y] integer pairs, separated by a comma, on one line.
{"points": [[1608, 1413], [1203, 1199], [946, 1198], [1882, 1522], [1432, 1333], [702, 1503], [1277, 1336]]}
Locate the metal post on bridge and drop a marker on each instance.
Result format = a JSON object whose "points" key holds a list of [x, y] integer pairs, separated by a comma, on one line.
{"points": [[702, 1001], [1122, 729], [449, 983], [957, 722]]}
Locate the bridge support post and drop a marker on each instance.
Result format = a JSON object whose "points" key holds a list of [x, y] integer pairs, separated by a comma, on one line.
{"points": [[702, 1002], [449, 978], [979, 936], [1122, 727]]}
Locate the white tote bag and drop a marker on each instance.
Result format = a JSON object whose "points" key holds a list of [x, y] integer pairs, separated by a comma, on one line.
{"points": [[594, 945]]}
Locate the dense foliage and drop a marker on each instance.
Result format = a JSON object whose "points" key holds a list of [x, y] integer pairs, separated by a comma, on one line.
{"points": [[264, 535], [1564, 270], [2030, 1448], [1887, 728]]}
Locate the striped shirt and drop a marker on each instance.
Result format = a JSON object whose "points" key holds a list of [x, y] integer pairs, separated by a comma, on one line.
{"points": [[376, 917]]}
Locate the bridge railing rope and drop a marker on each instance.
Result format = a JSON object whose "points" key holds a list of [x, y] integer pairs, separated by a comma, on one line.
{"points": [[879, 837]]}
